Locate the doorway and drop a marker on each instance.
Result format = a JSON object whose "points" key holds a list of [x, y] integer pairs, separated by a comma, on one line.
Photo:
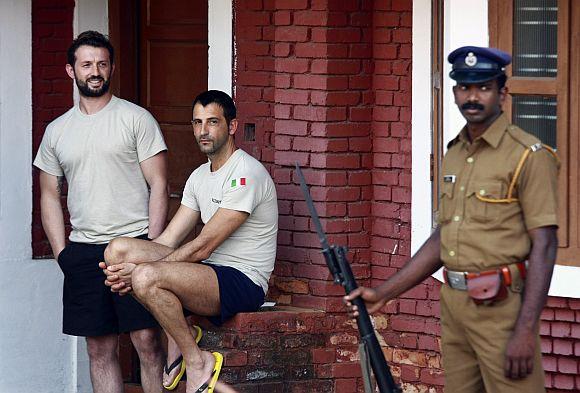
{"points": [[161, 64]]}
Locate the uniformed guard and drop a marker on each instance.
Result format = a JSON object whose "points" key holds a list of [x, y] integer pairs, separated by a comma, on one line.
{"points": [[496, 239]]}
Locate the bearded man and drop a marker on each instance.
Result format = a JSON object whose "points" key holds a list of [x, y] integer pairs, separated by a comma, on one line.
{"points": [[114, 159]]}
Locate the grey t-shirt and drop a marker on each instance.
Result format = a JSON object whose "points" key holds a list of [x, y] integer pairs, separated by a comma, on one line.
{"points": [[99, 155], [241, 184]]}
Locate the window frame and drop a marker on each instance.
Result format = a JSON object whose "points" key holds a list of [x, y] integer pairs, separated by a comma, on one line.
{"points": [[565, 87]]}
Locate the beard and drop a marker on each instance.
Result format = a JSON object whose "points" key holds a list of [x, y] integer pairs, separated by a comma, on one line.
{"points": [[87, 91], [215, 146]]}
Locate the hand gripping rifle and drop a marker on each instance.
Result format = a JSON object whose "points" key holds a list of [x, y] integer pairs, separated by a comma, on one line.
{"points": [[338, 265]]}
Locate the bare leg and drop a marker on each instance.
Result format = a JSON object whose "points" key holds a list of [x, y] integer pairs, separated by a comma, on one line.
{"points": [[126, 249], [147, 342], [221, 387], [104, 364], [164, 288], [173, 353]]}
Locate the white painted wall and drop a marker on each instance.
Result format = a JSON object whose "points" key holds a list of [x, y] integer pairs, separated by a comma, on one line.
{"points": [[466, 23], [421, 124], [34, 355], [220, 36]]}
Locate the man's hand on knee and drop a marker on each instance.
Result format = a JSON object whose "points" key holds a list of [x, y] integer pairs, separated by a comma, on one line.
{"points": [[119, 277]]}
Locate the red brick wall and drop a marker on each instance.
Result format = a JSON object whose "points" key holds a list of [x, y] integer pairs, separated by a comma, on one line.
{"points": [[560, 331], [323, 121], [413, 319], [254, 75], [51, 87], [336, 77], [328, 85]]}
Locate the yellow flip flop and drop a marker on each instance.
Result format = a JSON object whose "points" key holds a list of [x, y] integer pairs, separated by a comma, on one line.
{"points": [[219, 361], [179, 362]]}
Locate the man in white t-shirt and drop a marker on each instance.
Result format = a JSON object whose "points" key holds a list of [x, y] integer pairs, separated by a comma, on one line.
{"points": [[113, 156], [225, 269]]}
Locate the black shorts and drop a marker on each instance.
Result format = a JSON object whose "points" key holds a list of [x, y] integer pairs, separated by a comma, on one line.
{"points": [[89, 306], [237, 293]]}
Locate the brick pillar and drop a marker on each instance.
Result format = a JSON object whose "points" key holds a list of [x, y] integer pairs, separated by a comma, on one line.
{"points": [[52, 33], [254, 78], [323, 122]]}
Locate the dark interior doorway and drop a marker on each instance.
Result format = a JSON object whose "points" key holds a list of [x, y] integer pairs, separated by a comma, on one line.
{"points": [[161, 64]]}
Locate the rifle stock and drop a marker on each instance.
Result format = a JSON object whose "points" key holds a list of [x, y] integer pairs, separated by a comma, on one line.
{"points": [[335, 257]]}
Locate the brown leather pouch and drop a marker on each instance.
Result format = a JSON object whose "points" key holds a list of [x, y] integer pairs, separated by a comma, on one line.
{"points": [[486, 288]]}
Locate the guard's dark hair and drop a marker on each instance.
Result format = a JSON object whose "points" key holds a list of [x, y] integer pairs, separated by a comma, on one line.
{"points": [[90, 38], [219, 98]]}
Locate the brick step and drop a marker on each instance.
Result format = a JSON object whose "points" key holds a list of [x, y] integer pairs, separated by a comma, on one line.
{"points": [[273, 346], [282, 349]]}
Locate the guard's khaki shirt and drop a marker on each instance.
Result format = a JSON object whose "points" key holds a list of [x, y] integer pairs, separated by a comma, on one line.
{"points": [[478, 235]]}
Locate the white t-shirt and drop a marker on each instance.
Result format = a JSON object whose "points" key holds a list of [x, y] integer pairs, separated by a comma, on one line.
{"points": [[241, 184], [99, 155]]}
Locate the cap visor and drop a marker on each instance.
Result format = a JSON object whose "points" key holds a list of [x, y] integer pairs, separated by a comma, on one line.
{"points": [[473, 77]]}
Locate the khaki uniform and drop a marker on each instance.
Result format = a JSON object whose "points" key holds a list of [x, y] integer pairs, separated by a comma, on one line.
{"points": [[478, 234]]}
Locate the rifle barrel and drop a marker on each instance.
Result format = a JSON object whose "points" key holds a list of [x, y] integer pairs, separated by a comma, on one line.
{"points": [[337, 262]]}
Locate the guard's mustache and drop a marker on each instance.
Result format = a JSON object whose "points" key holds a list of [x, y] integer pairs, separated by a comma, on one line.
{"points": [[472, 105]]}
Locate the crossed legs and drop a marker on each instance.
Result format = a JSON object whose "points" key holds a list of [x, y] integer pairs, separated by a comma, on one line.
{"points": [[164, 288]]}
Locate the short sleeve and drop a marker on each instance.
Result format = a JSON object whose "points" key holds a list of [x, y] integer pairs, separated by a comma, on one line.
{"points": [[46, 158], [188, 199], [241, 194], [538, 190], [149, 137]]}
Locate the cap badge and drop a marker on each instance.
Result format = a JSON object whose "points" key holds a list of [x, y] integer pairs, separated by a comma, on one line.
{"points": [[470, 59]]}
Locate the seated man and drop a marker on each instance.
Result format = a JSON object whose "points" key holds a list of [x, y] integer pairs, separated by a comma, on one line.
{"points": [[225, 269]]}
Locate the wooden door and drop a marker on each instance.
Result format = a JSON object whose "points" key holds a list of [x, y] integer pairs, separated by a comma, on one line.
{"points": [[161, 64], [173, 59]]}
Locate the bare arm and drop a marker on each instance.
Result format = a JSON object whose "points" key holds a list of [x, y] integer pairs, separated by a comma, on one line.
{"points": [[521, 347], [51, 211], [424, 263], [155, 172], [132, 252], [223, 223], [182, 223]]}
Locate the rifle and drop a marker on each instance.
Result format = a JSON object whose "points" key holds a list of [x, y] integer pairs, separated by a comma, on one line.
{"points": [[335, 257]]}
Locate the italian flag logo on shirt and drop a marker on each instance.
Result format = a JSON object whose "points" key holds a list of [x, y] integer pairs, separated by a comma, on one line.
{"points": [[238, 182]]}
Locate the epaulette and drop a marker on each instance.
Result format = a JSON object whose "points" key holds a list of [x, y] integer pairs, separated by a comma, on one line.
{"points": [[530, 142], [523, 138]]}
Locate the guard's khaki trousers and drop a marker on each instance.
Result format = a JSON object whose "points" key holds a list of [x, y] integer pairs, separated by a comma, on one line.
{"points": [[474, 339]]}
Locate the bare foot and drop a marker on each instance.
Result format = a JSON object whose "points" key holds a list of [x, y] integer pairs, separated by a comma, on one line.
{"points": [[173, 353], [221, 387], [200, 372]]}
